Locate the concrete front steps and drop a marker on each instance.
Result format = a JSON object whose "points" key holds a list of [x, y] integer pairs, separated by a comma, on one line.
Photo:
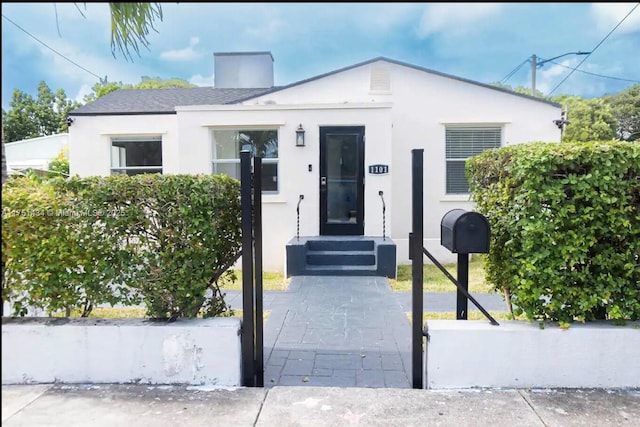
{"points": [[341, 256]]}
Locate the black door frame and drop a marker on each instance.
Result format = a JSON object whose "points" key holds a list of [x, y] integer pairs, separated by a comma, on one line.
{"points": [[356, 229]]}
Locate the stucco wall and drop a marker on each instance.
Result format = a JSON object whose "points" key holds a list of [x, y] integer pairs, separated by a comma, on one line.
{"points": [[279, 210], [517, 354], [35, 152], [90, 140], [422, 105], [91, 350]]}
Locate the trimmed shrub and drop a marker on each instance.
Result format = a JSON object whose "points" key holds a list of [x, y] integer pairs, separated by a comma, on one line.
{"points": [[53, 256], [565, 227], [164, 240]]}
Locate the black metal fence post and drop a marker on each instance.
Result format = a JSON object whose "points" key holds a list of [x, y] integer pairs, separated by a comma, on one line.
{"points": [[257, 228], [415, 251], [248, 338]]}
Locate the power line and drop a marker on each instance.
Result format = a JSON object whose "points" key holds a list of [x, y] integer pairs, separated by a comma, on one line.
{"points": [[515, 70], [594, 49], [597, 75], [50, 48]]}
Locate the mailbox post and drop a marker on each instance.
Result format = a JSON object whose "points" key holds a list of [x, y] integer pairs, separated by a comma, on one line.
{"points": [[464, 232], [462, 304]]}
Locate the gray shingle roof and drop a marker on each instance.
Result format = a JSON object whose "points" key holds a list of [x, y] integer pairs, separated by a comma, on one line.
{"points": [[162, 101]]}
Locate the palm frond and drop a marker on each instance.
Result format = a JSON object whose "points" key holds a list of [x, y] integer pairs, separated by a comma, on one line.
{"points": [[130, 26]]}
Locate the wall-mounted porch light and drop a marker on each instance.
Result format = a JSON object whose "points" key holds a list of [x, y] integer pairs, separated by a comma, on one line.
{"points": [[300, 136]]}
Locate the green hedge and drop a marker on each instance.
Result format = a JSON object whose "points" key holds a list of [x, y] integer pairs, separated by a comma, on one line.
{"points": [[565, 227], [164, 240]]}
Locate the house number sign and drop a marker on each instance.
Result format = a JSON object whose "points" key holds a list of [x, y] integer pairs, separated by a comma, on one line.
{"points": [[378, 169]]}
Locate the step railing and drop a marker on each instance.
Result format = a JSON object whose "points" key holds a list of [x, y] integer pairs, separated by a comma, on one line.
{"points": [[300, 198], [384, 209]]}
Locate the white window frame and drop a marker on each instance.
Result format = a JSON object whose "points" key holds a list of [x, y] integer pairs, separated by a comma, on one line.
{"points": [[215, 160], [449, 160], [154, 168]]}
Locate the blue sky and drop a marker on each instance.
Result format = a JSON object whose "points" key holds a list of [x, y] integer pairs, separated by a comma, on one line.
{"points": [[484, 42]]}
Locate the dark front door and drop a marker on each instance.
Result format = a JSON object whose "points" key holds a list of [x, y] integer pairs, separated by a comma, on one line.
{"points": [[342, 180]]}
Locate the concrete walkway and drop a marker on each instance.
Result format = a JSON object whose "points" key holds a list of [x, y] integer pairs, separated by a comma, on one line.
{"points": [[343, 331], [140, 405]]}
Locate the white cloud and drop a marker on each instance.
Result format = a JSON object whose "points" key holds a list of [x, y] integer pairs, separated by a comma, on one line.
{"points": [[85, 89], [372, 19], [200, 80], [608, 15], [187, 54], [551, 75], [87, 67], [455, 18], [269, 30]]}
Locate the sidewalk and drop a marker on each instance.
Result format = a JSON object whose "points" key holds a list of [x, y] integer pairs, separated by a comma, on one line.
{"points": [[140, 405]]}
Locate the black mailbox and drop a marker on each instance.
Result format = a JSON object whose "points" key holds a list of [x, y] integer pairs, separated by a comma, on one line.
{"points": [[464, 232]]}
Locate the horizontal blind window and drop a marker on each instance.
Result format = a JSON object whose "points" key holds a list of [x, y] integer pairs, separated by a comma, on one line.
{"points": [[462, 143], [456, 179]]}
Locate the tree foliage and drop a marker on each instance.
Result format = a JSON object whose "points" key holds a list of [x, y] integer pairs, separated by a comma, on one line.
{"points": [[47, 113], [103, 88], [31, 118], [597, 119], [589, 119], [626, 110]]}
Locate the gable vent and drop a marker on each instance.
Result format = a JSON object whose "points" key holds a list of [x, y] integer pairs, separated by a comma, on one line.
{"points": [[380, 78]]}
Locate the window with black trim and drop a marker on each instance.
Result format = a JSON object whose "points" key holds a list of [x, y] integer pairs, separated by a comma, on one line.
{"points": [[132, 156], [463, 142], [227, 144]]}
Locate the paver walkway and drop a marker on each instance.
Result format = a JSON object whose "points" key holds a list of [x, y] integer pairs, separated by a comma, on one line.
{"points": [[343, 331], [337, 331]]}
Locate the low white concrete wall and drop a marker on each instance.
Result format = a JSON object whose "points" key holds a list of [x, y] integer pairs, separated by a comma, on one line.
{"points": [[185, 352], [517, 354]]}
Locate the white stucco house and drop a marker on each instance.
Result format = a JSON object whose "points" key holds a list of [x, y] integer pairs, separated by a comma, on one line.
{"points": [[360, 124]]}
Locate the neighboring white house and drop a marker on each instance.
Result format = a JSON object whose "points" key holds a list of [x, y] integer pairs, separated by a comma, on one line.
{"points": [[369, 114], [35, 153]]}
